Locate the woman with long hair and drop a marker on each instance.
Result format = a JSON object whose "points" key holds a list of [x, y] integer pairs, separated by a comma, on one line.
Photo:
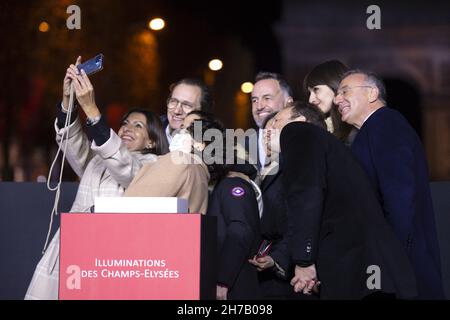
{"points": [[320, 86]]}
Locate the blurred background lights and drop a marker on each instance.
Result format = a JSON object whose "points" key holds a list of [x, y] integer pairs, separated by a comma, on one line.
{"points": [[43, 26], [247, 87], [215, 64], [156, 24]]}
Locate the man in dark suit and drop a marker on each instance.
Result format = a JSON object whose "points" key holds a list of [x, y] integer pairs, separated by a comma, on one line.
{"points": [[274, 279], [393, 157], [271, 93], [336, 229]]}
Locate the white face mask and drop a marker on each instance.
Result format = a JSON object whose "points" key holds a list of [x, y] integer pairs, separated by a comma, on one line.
{"points": [[182, 141]]}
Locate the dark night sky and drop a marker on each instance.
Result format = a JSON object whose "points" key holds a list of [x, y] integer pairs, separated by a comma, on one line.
{"points": [[195, 32]]}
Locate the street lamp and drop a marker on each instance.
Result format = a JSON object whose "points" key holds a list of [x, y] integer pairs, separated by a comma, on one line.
{"points": [[156, 24], [44, 26], [215, 64], [247, 87]]}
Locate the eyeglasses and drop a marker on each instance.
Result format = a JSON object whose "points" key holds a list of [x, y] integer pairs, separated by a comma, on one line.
{"points": [[344, 91], [172, 103]]}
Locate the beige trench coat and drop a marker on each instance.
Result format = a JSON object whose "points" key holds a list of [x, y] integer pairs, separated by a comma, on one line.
{"points": [[175, 174], [104, 171]]}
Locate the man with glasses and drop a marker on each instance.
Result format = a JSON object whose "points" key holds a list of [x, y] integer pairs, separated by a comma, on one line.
{"points": [[186, 95], [392, 155]]}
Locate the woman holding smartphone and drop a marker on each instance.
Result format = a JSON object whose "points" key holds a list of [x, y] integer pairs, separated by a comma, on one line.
{"points": [[105, 166]]}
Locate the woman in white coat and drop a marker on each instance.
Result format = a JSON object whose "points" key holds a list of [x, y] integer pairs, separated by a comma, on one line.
{"points": [[106, 166]]}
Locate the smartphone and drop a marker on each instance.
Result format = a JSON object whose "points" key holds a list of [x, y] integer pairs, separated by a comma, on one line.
{"points": [[93, 65], [264, 248]]}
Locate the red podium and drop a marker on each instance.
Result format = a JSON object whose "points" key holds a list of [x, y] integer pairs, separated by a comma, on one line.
{"points": [[137, 256]]}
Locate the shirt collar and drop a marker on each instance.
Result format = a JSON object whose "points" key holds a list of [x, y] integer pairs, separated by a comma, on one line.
{"points": [[168, 135]]}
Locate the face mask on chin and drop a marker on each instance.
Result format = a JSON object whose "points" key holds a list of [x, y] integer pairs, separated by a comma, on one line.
{"points": [[182, 141]]}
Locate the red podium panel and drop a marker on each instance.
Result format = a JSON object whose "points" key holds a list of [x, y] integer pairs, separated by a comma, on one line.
{"points": [[137, 256]]}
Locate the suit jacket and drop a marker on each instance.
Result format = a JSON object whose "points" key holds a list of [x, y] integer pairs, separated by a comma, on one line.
{"points": [[335, 220], [233, 202], [274, 219], [274, 228], [393, 157]]}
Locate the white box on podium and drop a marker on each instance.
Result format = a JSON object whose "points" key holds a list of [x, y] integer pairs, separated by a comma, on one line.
{"points": [[140, 205]]}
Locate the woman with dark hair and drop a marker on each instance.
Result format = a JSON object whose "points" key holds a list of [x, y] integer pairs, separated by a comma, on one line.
{"points": [[186, 170], [198, 158], [320, 85], [236, 201], [198, 115], [155, 131], [105, 166]]}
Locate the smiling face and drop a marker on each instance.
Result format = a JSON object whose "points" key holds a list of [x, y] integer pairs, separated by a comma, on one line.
{"points": [[184, 99], [133, 132], [275, 125], [353, 99], [267, 98], [322, 97]]}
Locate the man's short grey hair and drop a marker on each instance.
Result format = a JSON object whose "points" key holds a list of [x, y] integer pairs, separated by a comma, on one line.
{"points": [[373, 79]]}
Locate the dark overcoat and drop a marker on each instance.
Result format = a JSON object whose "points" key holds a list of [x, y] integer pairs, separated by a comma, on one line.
{"points": [[233, 202], [391, 153], [335, 220]]}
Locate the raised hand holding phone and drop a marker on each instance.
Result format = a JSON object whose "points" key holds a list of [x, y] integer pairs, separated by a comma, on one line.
{"points": [[84, 92]]}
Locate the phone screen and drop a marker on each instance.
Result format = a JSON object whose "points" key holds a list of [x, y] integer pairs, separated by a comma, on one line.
{"points": [[92, 65]]}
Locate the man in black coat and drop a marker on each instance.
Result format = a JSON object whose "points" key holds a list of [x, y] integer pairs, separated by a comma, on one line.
{"points": [[337, 233], [274, 278], [391, 153]]}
